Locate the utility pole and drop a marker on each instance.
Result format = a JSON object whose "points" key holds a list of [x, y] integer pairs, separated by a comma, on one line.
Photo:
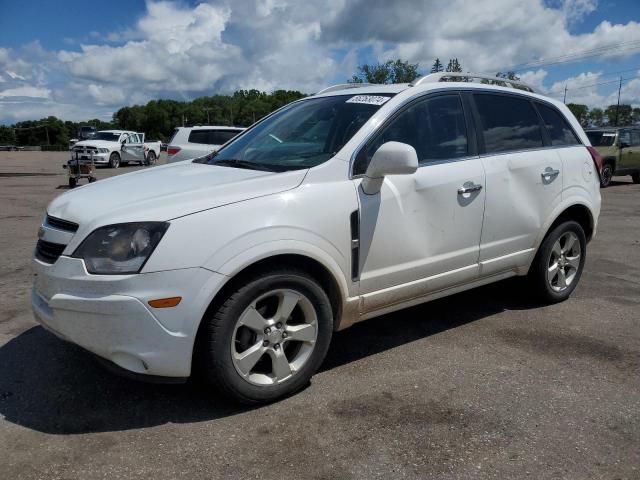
{"points": [[564, 100], [618, 106]]}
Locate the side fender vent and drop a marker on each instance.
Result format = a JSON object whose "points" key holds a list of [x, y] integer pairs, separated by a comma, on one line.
{"points": [[354, 221]]}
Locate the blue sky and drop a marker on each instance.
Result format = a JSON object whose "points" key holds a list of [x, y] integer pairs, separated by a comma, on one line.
{"points": [[81, 59]]}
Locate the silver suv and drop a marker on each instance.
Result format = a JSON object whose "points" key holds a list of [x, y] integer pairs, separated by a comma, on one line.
{"points": [[188, 143]]}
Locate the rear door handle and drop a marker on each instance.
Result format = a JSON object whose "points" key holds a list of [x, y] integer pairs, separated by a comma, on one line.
{"points": [[549, 173], [469, 187]]}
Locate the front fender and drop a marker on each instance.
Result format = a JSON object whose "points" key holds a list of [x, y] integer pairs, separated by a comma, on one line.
{"points": [[232, 265]]}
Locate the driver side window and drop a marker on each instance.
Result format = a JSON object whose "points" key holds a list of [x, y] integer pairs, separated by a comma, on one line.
{"points": [[435, 127]]}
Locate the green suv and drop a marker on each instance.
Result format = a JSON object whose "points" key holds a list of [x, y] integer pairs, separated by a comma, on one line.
{"points": [[620, 150]]}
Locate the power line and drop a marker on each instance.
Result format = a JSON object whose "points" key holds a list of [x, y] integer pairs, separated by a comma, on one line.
{"points": [[603, 83], [575, 56]]}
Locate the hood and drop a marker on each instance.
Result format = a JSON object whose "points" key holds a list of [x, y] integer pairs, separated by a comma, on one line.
{"points": [[166, 192], [96, 143]]}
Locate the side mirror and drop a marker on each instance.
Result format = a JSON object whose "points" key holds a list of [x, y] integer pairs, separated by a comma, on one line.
{"points": [[392, 158]]}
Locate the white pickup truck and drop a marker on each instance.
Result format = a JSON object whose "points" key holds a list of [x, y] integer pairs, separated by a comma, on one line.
{"points": [[116, 147]]}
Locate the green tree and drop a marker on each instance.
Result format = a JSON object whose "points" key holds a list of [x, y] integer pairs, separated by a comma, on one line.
{"points": [[437, 66], [392, 71], [7, 135], [596, 117], [581, 112], [454, 65], [618, 116]]}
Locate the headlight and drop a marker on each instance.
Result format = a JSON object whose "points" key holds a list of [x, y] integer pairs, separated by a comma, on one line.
{"points": [[120, 249], [103, 150]]}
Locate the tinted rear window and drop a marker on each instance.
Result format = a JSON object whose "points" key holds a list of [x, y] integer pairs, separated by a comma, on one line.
{"points": [[601, 139], [559, 130], [212, 137], [173, 135], [508, 123]]}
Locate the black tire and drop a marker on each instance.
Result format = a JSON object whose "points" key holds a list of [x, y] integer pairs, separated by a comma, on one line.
{"points": [[114, 160], [215, 352], [538, 273], [72, 182], [151, 158], [636, 177], [606, 175]]}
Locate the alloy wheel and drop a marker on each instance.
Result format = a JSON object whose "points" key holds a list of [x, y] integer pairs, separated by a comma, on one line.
{"points": [[274, 337], [564, 262]]}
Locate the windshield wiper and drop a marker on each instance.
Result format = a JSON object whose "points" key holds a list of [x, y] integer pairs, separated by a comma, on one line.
{"points": [[236, 163]]}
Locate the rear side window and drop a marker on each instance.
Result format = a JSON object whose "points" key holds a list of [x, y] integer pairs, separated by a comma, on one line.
{"points": [[508, 123], [559, 130], [199, 136], [211, 137], [218, 137], [635, 138], [435, 127], [173, 135]]}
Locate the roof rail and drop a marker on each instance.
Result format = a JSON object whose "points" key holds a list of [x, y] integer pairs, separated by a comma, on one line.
{"points": [[343, 86], [469, 77]]}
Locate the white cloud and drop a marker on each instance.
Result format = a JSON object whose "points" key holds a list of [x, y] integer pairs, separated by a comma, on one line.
{"points": [[14, 75], [26, 91]]}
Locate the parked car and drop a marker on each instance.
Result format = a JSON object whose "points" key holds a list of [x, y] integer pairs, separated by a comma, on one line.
{"points": [[10, 148], [188, 143], [116, 147], [620, 150], [352, 203]]}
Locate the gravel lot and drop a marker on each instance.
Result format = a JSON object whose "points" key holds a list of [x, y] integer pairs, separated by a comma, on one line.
{"points": [[483, 384]]}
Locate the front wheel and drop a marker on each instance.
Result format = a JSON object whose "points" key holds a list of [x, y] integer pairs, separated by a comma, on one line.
{"points": [[606, 175], [558, 265], [114, 160], [268, 337]]}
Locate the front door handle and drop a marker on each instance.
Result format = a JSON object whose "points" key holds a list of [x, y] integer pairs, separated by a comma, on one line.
{"points": [[549, 173], [469, 187]]}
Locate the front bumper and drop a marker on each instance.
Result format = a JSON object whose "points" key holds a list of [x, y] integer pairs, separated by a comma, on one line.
{"points": [[97, 157], [109, 315]]}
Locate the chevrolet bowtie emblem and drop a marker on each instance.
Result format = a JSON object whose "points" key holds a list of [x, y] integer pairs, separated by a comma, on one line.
{"points": [[41, 232]]}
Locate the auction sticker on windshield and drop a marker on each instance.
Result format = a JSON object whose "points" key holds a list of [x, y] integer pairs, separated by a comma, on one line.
{"points": [[368, 99]]}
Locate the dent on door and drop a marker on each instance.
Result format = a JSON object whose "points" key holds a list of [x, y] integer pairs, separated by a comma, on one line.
{"points": [[522, 190], [420, 234]]}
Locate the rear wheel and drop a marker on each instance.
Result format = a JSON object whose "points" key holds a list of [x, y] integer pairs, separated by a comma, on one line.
{"points": [[268, 337], [606, 175], [114, 160], [636, 177], [558, 265], [151, 158]]}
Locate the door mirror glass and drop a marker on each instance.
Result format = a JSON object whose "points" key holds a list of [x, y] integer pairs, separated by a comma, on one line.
{"points": [[392, 158]]}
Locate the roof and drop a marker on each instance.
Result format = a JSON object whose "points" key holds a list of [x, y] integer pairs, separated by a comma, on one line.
{"points": [[608, 129], [217, 127], [432, 81]]}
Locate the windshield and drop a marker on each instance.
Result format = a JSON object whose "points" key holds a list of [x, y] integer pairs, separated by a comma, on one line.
{"points": [[601, 139], [302, 135], [108, 136]]}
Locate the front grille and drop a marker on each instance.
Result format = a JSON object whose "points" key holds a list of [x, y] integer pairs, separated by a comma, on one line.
{"points": [[60, 224], [48, 252]]}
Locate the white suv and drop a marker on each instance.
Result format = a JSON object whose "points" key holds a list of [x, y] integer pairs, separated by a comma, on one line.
{"points": [[188, 143], [346, 205]]}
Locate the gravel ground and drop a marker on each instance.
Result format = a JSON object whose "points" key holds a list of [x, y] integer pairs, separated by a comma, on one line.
{"points": [[484, 384]]}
